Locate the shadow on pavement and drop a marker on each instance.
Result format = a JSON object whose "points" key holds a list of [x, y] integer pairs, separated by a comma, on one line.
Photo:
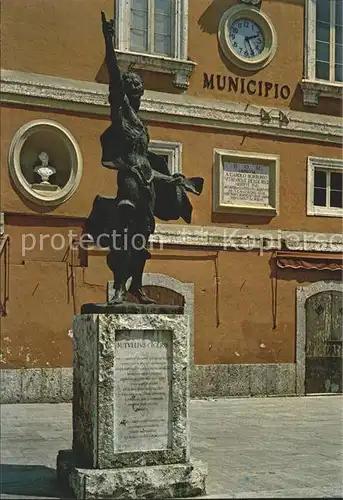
{"points": [[30, 480]]}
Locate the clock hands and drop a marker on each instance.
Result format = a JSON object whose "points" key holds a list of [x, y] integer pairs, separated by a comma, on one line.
{"points": [[247, 40]]}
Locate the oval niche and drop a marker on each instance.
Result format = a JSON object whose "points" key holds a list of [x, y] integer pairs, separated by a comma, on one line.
{"points": [[45, 162]]}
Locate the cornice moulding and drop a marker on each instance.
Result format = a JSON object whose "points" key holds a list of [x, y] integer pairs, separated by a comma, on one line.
{"points": [[180, 69], [262, 243], [86, 97], [227, 238], [241, 239]]}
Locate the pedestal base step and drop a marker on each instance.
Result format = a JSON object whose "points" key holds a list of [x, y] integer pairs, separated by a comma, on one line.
{"points": [[132, 483]]}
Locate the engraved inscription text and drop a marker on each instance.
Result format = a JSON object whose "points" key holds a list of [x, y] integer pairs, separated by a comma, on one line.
{"points": [[142, 390]]}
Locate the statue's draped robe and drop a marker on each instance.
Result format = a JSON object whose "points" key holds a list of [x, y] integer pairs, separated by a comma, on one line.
{"points": [[128, 135], [171, 202]]}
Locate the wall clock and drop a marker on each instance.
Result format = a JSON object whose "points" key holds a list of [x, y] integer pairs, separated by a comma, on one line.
{"points": [[247, 37]]}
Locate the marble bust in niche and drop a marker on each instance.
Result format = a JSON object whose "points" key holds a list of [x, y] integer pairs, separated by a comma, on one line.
{"points": [[44, 173]]}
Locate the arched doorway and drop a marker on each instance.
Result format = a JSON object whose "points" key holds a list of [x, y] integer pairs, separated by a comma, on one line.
{"points": [[319, 338], [168, 290], [323, 370]]}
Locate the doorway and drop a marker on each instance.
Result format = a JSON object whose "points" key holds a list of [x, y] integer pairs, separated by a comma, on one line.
{"points": [[323, 370], [319, 338]]}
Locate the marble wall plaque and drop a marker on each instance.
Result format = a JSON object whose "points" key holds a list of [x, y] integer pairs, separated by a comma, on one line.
{"points": [[245, 183], [142, 390]]}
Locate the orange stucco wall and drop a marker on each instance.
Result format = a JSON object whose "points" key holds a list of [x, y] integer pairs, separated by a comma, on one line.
{"points": [[198, 145], [61, 38], [235, 322], [234, 318], [44, 293], [64, 39]]}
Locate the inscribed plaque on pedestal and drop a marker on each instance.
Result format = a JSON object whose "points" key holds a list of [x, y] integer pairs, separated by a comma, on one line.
{"points": [[142, 390]]}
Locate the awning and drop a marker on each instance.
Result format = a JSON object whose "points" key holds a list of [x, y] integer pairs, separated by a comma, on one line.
{"points": [[306, 260]]}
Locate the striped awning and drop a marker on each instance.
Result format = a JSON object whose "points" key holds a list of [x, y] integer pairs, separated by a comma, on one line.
{"points": [[306, 260]]}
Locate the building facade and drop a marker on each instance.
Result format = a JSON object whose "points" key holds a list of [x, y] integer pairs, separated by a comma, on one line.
{"points": [[245, 94]]}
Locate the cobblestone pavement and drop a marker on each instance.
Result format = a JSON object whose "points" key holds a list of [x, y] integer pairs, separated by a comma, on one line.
{"points": [[254, 447]]}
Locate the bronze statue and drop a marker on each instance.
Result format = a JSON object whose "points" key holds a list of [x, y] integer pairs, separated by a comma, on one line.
{"points": [[145, 186]]}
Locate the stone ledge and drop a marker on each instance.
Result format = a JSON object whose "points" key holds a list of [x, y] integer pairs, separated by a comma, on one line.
{"points": [[313, 90], [246, 239], [130, 308], [32, 89], [238, 239], [154, 482], [180, 69]]}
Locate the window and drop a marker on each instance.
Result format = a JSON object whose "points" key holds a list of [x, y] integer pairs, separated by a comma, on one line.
{"points": [[151, 28], [323, 50], [171, 152], [324, 187], [153, 35], [329, 42], [327, 189]]}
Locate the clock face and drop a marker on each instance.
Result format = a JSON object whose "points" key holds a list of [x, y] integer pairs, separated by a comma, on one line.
{"points": [[246, 38]]}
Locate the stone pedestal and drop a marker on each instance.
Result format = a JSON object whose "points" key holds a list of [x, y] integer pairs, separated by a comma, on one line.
{"points": [[130, 407], [45, 187]]}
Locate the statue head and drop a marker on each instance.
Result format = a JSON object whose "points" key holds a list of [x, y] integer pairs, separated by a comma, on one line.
{"points": [[133, 88], [44, 158]]}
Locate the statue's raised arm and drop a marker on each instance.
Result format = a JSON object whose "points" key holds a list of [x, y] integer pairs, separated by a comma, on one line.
{"points": [[117, 93]]}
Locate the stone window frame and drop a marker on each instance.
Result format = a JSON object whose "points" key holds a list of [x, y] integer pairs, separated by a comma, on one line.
{"points": [[272, 160], [179, 66], [171, 149], [312, 87], [328, 164], [302, 294], [184, 289], [15, 171]]}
